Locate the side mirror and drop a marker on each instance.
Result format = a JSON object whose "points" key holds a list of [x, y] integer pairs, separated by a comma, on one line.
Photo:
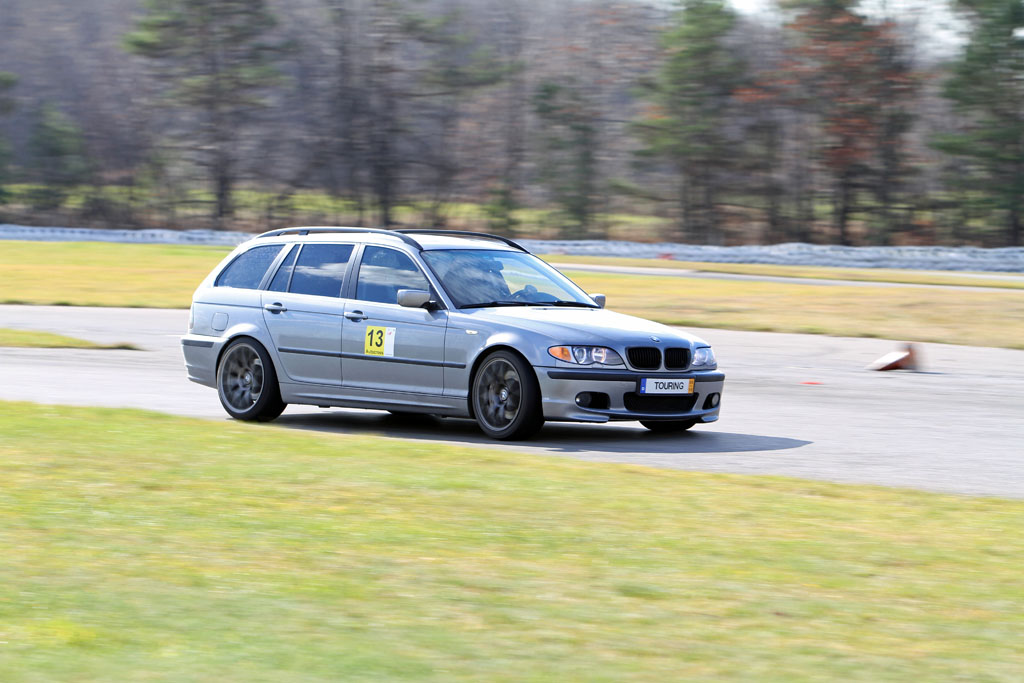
{"points": [[598, 299], [413, 298]]}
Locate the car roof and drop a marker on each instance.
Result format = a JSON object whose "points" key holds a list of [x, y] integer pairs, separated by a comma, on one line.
{"points": [[422, 241], [453, 242]]}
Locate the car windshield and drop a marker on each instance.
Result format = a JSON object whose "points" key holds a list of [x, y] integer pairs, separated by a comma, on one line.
{"points": [[477, 278]]}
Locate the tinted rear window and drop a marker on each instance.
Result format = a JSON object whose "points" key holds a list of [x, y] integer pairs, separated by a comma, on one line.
{"points": [[247, 271], [284, 273], [320, 269]]}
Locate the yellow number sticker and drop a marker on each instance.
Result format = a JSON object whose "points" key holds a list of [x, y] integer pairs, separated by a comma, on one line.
{"points": [[379, 341]]}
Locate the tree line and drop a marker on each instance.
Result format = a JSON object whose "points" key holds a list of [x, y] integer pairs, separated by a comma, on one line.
{"points": [[822, 121]]}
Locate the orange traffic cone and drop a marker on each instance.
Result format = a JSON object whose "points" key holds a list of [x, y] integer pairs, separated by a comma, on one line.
{"points": [[897, 360]]}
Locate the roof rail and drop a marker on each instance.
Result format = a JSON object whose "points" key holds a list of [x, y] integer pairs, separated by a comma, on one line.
{"points": [[464, 233], [306, 231]]}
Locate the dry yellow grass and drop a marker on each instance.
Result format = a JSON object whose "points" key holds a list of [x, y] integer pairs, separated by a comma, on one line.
{"points": [[103, 274], [164, 276], [980, 318], [915, 277]]}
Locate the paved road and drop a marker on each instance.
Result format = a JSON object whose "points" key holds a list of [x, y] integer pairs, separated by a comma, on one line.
{"points": [[794, 405]]}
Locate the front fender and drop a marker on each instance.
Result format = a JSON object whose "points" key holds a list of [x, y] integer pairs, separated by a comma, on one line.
{"points": [[465, 348]]}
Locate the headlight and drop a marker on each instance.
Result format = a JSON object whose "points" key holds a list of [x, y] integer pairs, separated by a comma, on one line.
{"points": [[704, 359], [586, 355]]}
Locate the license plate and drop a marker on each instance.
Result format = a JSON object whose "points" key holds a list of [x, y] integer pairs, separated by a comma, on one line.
{"points": [[654, 385]]}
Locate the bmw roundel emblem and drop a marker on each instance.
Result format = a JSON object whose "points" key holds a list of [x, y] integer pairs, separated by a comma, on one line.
{"points": [[655, 339]]}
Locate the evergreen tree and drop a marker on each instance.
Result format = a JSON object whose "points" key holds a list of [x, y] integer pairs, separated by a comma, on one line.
{"points": [[7, 82], [568, 137], [58, 157], [449, 64], [458, 65], [215, 58], [988, 86], [505, 191], [689, 96]]}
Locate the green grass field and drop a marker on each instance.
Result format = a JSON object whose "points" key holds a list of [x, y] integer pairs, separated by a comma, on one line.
{"points": [[165, 276], [46, 340], [145, 547]]}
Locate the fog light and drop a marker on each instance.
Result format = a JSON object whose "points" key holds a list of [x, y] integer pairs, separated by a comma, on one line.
{"points": [[593, 399], [712, 401]]}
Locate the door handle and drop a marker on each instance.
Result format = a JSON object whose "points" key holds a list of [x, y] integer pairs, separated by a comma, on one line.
{"points": [[275, 308], [356, 316]]}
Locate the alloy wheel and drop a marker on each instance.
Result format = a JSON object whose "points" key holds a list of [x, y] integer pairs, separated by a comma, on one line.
{"points": [[242, 377], [499, 394]]}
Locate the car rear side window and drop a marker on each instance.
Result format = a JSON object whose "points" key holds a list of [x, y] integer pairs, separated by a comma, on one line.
{"points": [[247, 271], [284, 273], [320, 269], [385, 271]]}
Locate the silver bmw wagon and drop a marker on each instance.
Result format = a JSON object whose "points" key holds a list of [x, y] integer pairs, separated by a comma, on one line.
{"points": [[448, 323]]}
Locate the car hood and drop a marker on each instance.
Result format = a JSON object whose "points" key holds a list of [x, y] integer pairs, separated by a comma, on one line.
{"points": [[581, 325]]}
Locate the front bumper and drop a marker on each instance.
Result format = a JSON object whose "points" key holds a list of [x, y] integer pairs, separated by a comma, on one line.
{"points": [[560, 388]]}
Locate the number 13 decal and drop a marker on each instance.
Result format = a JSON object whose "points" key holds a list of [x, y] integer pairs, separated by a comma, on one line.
{"points": [[379, 341]]}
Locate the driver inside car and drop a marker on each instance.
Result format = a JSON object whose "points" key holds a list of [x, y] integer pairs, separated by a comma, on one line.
{"points": [[471, 277]]}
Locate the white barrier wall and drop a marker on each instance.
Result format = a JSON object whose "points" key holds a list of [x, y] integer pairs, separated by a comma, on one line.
{"points": [[800, 254], [1009, 259], [21, 232]]}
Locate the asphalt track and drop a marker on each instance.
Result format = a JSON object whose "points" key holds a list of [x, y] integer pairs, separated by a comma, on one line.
{"points": [[794, 405]]}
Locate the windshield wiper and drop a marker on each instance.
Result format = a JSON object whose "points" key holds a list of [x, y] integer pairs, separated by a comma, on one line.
{"points": [[510, 302], [578, 304], [505, 302]]}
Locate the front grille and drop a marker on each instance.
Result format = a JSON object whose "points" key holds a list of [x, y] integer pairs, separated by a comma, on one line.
{"points": [[638, 403], [677, 359], [644, 357]]}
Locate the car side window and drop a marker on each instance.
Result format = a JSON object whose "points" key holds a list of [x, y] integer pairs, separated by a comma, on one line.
{"points": [[247, 271], [320, 269], [383, 272], [284, 273]]}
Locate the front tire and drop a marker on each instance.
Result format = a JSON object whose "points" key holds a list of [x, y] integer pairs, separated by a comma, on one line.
{"points": [[668, 426], [506, 397], [247, 383]]}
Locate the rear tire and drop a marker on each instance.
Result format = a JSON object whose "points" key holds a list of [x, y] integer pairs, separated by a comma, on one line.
{"points": [[668, 426], [247, 383], [506, 397]]}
